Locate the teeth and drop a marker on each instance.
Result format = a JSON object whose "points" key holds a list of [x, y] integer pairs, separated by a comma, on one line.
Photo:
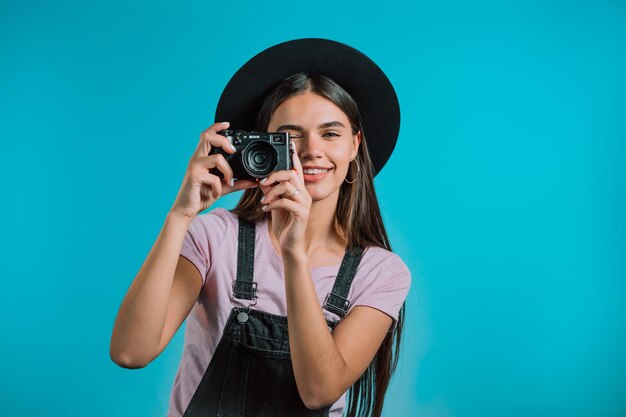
{"points": [[314, 171]]}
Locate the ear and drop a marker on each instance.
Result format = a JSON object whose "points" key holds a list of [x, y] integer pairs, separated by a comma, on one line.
{"points": [[356, 141]]}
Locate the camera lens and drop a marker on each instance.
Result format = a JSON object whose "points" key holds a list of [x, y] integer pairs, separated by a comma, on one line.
{"points": [[259, 159]]}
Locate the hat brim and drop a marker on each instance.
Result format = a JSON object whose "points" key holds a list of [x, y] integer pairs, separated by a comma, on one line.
{"points": [[356, 73]]}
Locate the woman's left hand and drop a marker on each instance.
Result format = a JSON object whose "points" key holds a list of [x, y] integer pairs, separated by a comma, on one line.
{"points": [[290, 203]]}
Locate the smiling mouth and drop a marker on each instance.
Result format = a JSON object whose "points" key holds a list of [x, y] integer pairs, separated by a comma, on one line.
{"points": [[315, 171]]}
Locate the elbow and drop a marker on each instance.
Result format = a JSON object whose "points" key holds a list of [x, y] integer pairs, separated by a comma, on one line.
{"points": [[323, 390], [312, 404], [126, 355], [126, 361], [317, 402], [319, 398]]}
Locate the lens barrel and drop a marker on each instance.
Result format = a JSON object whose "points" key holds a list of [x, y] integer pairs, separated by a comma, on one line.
{"points": [[259, 159]]}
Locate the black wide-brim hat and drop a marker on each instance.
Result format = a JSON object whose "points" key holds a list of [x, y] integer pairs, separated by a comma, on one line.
{"points": [[356, 73]]}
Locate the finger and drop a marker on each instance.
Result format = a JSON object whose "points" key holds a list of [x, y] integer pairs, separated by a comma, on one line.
{"points": [[217, 161], [267, 188], [286, 188], [297, 166], [216, 127], [210, 183], [210, 139], [282, 190], [240, 185], [279, 176], [286, 204]]}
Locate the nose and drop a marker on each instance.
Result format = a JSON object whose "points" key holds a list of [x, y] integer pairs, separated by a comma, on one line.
{"points": [[310, 147]]}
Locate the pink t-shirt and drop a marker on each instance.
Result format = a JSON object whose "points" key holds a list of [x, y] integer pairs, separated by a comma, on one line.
{"points": [[382, 281]]}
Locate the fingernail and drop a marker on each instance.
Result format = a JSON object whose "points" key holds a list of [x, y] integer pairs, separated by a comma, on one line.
{"points": [[264, 208], [224, 123], [233, 147], [262, 199], [263, 180], [232, 182]]}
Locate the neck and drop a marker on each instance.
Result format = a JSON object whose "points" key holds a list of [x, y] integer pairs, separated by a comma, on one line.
{"points": [[321, 227]]}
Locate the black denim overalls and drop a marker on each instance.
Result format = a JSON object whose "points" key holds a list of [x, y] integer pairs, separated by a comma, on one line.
{"points": [[250, 374]]}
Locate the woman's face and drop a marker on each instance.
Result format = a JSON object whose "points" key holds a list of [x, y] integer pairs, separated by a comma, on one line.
{"points": [[323, 138]]}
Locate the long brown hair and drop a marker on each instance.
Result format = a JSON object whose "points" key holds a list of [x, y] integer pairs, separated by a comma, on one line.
{"points": [[357, 220]]}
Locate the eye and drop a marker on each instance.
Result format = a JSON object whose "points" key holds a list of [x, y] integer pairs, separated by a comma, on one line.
{"points": [[331, 134], [292, 135]]}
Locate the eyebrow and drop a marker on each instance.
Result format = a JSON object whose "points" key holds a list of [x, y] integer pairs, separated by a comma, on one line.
{"points": [[334, 123]]}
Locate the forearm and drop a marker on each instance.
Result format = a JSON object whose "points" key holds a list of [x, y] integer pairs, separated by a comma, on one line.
{"points": [[317, 362], [141, 317]]}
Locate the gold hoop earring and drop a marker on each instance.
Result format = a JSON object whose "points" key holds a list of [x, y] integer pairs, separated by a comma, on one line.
{"points": [[358, 169]]}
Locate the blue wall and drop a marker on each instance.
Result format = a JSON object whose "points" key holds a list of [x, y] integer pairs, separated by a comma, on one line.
{"points": [[505, 196]]}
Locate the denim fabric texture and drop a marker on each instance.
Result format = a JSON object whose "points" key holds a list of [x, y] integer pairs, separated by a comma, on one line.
{"points": [[250, 374]]}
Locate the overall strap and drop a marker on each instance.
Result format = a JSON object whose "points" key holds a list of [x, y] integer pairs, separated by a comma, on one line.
{"points": [[336, 301], [244, 287]]}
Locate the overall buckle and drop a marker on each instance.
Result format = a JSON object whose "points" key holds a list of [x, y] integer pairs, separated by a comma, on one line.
{"points": [[245, 290], [336, 304]]}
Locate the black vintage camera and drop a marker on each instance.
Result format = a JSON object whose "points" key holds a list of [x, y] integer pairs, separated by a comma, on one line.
{"points": [[258, 153]]}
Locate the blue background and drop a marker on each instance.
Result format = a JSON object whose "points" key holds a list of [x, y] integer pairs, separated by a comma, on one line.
{"points": [[505, 195]]}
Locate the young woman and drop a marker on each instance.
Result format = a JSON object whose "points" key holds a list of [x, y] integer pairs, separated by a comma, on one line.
{"points": [[294, 297]]}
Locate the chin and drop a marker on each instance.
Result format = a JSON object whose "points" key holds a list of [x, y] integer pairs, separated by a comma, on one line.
{"points": [[319, 194]]}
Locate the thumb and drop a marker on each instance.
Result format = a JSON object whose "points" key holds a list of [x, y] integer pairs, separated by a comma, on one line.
{"points": [[243, 185]]}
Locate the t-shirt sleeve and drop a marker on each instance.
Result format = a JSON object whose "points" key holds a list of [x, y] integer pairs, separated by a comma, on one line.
{"points": [[201, 245], [386, 288]]}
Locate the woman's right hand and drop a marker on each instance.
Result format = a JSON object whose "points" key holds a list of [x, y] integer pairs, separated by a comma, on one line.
{"points": [[200, 189]]}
